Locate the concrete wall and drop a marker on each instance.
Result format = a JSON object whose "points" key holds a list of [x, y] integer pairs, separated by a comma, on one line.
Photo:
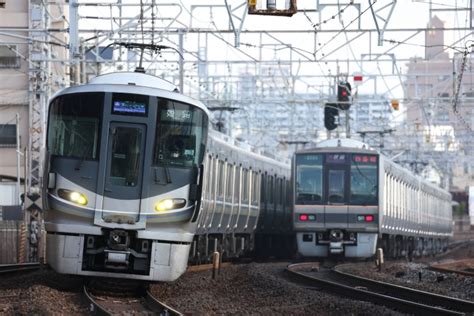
{"points": [[14, 95], [14, 87]]}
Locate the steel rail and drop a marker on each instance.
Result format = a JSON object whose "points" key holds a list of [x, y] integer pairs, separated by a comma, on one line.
{"points": [[94, 307], [17, 267], [396, 303], [409, 293], [150, 303], [451, 267]]}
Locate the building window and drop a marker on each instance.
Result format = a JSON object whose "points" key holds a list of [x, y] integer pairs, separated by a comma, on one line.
{"points": [[7, 135], [8, 56], [2, 4]]}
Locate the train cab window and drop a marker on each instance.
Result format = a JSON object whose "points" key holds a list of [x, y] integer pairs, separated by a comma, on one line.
{"points": [[181, 134], [309, 179], [364, 186], [74, 125], [125, 163]]}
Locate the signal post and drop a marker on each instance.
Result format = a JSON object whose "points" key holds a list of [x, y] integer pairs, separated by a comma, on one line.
{"points": [[343, 102]]}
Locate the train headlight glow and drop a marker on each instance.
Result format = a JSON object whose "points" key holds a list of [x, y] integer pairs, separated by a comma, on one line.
{"points": [[169, 204], [73, 196]]}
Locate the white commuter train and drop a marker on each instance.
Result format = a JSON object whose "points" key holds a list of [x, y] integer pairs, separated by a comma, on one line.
{"points": [[349, 199], [126, 160]]}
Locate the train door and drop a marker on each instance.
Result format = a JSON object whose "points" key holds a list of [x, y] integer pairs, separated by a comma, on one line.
{"points": [[336, 175], [124, 172]]}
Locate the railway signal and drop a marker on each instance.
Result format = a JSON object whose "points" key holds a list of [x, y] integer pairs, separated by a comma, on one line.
{"points": [[331, 113], [344, 98]]}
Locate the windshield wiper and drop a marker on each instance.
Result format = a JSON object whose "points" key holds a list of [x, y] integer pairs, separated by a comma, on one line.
{"points": [[85, 153], [167, 175]]}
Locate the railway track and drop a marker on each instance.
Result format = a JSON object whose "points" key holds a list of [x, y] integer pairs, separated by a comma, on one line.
{"points": [[463, 267], [108, 300], [18, 267], [393, 296]]}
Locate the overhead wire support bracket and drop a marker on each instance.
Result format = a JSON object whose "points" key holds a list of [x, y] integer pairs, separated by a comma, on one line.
{"points": [[376, 16], [231, 14]]}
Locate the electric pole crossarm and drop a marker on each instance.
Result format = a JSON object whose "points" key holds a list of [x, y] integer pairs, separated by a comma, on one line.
{"points": [[376, 16]]}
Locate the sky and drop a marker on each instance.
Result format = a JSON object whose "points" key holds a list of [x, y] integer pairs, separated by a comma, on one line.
{"points": [[314, 52]]}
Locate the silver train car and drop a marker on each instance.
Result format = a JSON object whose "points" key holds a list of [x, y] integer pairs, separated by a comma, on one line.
{"points": [[246, 203], [122, 185], [349, 199], [134, 180]]}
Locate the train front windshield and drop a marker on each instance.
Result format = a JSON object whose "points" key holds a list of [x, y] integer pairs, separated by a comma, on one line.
{"points": [[74, 125], [76, 120], [309, 179], [180, 135], [336, 179]]}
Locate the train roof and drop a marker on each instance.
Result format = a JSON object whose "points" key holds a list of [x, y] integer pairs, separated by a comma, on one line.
{"points": [[135, 83], [134, 78], [340, 144], [252, 152]]}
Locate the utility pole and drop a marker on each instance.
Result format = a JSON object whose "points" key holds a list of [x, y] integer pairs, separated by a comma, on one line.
{"points": [[39, 52], [18, 154]]}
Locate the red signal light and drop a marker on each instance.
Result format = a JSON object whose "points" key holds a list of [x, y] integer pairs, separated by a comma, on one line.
{"points": [[369, 218], [303, 217]]}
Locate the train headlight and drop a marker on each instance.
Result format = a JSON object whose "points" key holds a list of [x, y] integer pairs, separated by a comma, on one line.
{"points": [[169, 204], [73, 196]]}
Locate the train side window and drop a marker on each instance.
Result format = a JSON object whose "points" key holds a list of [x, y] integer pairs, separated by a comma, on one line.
{"points": [[280, 191], [263, 189], [237, 184], [256, 188], [229, 181], [245, 185], [220, 179], [385, 191], [212, 177], [392, 196], [208, 177], [270, 189], [397, 198]]}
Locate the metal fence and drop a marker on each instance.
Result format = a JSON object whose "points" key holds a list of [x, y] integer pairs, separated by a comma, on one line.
{"points": [[12, 242]]}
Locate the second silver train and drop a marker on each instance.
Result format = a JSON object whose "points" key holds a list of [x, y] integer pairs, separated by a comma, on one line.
{"points": [[350, 199]]}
